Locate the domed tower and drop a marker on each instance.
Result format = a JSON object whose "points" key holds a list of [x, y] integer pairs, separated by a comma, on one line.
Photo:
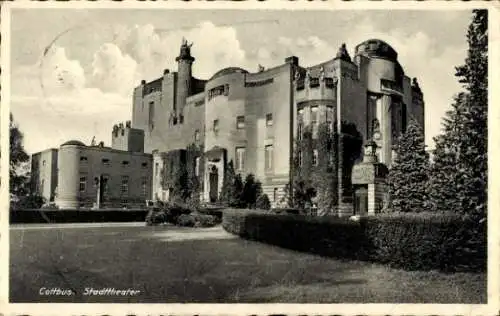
{"points": [[386, 106], [184, 62]]}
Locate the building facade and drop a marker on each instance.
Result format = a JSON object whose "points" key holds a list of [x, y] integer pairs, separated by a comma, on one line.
{"points": [[83, 176], [252, 119], [44, 174]]}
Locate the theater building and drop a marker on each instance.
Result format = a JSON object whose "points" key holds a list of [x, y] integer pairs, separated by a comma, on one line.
{"points": [[252, 119]]}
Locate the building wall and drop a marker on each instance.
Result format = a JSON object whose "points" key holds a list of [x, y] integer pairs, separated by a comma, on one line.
{"points": [[79, 166], [44, 173]]}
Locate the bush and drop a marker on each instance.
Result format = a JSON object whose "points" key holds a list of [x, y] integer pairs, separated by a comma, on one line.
{"points": [[414, 242], [263, 202], [155, 217], [186, 220], [174, 210]]}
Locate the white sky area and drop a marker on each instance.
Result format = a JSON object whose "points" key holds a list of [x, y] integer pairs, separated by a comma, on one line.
{"points": [[83, 84]]}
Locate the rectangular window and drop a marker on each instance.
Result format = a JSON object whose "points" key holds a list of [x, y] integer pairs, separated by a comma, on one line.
{"points": [[83, 159], [300, 124], [329, 118], [197, 166], [275, 195], [314, 121], [144, 185], [240, 122], [196, 136], [216, 126], [269, 157], [105, 186], [105, 162], [151, 114], [144, 164], [315, 157], [269, 119], [83, 184], [124, 186], [240, 158], [125, 163]]}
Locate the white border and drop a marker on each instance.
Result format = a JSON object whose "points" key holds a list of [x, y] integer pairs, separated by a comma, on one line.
{"points": [[492, 308]]}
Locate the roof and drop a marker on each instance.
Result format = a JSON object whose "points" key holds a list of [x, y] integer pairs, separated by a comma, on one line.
{"points": [[377, 48], [73, 142], [227, 71]]}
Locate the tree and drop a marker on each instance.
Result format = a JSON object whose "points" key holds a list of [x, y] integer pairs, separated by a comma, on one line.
{"points": [[409, 172], [180, 191], [462, 148], [263, 202], [252, 189], [18, 158]]}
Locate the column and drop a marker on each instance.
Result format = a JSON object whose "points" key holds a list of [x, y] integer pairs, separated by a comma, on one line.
{"points": [[384, 115]]}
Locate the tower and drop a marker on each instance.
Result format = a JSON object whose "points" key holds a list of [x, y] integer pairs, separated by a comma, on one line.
{"points": [[184, 64]]}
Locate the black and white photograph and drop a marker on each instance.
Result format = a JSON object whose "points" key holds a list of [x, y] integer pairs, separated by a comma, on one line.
{"points": [[211, 154]]}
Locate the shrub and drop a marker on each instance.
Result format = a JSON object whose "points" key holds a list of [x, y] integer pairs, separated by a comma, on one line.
{"points": [[263, 202], [412, 242], [186, 220], [156, 217], [174, 210], [203, 220]]}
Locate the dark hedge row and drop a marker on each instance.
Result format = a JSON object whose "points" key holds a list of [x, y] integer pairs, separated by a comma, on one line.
{"points": [[76, 216], [424, 242]]}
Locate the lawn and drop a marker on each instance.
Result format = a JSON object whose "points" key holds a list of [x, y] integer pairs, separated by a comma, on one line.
{"points": [[185, 265]]}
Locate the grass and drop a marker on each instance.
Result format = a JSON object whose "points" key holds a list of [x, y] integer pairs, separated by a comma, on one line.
{"points": [[211, 270]]}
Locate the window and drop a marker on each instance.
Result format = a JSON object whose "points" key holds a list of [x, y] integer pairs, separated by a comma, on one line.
{"points": [[314, 121], [315, 157], [269, 119], [144, 164], [240, 122], [275, 194], [83, 159], [83, 184], [144, 186], [300, 122], [105, 161], [124, 186], [216, 126], [269, 157], [240, 158], [105, 186], [403, 118], [151, 114], [329, 118], [197, 166], [125, 163], [196, 136]]}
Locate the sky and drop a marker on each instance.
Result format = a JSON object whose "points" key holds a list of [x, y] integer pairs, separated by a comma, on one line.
{"points": [[73, 71]]}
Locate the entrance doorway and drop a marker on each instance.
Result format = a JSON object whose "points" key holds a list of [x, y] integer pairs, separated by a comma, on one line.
{"points": [[361, 200], [214, 182]]}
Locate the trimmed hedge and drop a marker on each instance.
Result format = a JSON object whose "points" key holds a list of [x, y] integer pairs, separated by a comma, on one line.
{"points": [[412, 242], [76, 216]]}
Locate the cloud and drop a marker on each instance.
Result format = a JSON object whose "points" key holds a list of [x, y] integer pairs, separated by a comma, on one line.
{"points": [[58, 73], [113, 71], [311, 50], [153, 49]]}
